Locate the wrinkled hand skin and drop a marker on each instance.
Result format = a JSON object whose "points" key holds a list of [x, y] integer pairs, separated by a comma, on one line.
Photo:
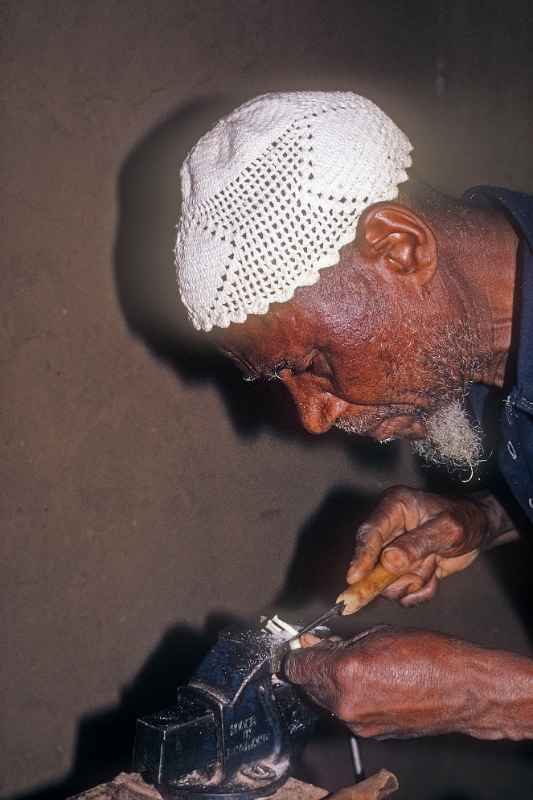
{"points": [[405, 683], [424, 537]]}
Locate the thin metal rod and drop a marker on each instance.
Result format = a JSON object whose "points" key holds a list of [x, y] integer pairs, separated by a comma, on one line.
{"points": [[332, 612], [356, 757]]}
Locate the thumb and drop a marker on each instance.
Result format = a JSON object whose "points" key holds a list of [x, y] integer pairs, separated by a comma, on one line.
{"points": [[433, 537], [303, 666]]}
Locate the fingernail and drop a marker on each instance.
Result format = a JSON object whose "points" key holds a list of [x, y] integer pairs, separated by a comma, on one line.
{"points": [[308, 640], [352, 575]]}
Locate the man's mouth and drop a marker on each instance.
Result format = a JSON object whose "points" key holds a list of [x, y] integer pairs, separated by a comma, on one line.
{"points": [[405, 426], [396, 423]]}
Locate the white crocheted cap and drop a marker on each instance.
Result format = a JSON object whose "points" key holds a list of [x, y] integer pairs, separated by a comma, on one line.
{"points": [[271, 194]]}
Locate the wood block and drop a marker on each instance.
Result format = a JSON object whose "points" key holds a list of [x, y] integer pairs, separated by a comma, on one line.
{"points": [[130, 786]]}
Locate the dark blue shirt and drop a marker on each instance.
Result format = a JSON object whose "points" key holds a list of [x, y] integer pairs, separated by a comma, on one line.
{"points": [[515, 445]]}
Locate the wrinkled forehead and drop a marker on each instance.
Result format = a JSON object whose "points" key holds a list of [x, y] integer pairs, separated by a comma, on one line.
{"points": [[334, 313], [286, 330]]}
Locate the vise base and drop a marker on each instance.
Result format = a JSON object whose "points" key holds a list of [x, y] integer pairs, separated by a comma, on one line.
{"points": [[235, 728]]}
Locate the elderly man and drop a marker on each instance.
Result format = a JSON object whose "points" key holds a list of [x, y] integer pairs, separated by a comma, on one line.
{"points": [[387, 310]]}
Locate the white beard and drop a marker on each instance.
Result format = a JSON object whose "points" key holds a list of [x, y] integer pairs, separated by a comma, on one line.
{"points": [[452, 441]]}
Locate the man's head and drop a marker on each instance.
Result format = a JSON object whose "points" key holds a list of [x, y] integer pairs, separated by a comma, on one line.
{"points": [[350, 295], [376, 347]]}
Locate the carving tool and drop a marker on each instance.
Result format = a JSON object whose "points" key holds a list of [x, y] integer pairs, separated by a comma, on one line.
{"points": [[355, 596]]}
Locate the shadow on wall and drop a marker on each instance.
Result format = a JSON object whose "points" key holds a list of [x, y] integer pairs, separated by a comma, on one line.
{"points": [[512, 566], [149, 207], [320, 554], [105, 740]]}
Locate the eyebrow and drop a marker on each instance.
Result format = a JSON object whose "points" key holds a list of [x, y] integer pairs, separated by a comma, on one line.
{"points": [[269, 373], [265, 371]]}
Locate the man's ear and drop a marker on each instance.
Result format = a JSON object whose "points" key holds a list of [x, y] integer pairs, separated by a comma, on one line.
{"points": [[400, 240]]}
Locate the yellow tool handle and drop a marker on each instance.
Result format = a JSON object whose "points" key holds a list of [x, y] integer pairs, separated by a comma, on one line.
{"points": [[364, 591]]}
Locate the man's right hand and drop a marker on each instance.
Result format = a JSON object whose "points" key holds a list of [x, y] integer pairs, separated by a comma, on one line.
{"points": [[423, 538]]}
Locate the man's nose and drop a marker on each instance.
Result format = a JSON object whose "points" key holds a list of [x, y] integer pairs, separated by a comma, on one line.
{"points": [[318, 410]]}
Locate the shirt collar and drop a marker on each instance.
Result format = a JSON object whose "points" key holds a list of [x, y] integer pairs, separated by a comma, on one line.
{"points": [[518, 205]]}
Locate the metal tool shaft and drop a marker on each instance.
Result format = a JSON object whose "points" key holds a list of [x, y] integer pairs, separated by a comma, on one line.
{"points": [[355, 596], [332, 612]]}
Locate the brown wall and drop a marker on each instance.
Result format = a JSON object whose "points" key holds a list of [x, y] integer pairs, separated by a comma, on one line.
{"points": [[145, 493]]}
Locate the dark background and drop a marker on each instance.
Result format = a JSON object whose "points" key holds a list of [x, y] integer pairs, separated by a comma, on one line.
{"points": [[148, 495]]}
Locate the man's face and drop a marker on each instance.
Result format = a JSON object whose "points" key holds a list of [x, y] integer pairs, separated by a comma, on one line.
{"points": [[372, 356]]}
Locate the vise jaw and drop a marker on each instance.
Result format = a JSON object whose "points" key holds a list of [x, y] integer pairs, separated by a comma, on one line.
{"points": [[235, 726]]}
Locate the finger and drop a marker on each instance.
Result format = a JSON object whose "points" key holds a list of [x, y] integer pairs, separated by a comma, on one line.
{"points": [[405, 585], [314, 670], [437, 536], [447, 566], [308, 666], [368, 546], [386, 522], [308, 640], [427, 592], [413, 581]]}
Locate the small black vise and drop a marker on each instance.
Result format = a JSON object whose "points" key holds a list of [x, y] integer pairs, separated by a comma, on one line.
{"points": [[235, 727]]}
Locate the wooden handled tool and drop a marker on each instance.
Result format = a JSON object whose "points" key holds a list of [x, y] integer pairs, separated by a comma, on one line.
{"points": [[356, 596], [360, 594]]}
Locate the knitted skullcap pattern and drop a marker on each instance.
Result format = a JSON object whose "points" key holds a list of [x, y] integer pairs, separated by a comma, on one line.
{"points": [[271, 194]]}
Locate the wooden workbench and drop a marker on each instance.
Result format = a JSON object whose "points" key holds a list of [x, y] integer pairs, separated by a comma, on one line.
{"points": [[130, 786]]}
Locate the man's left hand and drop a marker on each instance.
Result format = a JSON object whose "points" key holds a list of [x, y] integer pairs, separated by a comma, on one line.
{"points": [[395, 683]]}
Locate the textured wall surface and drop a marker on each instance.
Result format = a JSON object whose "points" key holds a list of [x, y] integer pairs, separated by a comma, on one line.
{"points": [[147, 494]]}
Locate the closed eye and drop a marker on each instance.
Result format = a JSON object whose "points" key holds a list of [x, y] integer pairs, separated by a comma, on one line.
{"points": [[315, 363], [319, 366]]}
